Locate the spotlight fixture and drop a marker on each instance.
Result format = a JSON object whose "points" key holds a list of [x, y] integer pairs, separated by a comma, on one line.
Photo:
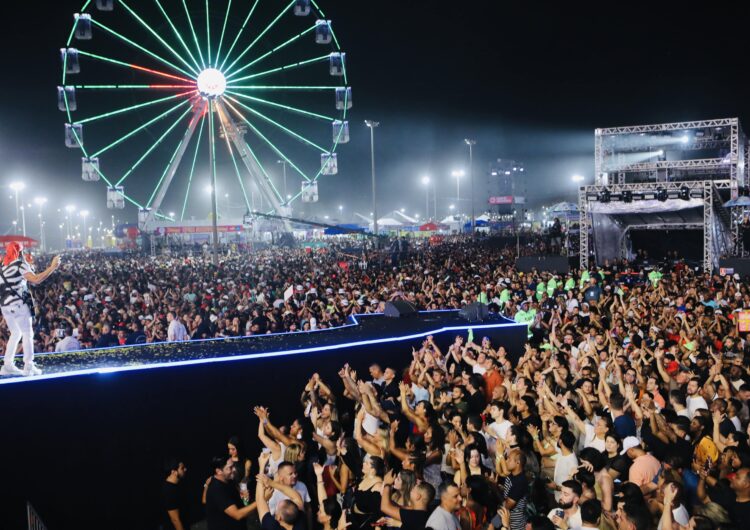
{"points": [[662, 195], [627, 196], [605, 196], [684, 193]]}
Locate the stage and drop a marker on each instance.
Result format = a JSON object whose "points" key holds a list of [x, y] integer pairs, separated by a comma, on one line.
{"points": [[362, 330], [88, 437]]}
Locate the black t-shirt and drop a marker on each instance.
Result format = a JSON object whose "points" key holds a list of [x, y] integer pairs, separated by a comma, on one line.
{"points": [[219, 497], [477, 402], [413, 519], [740, 511], [172, 499]]}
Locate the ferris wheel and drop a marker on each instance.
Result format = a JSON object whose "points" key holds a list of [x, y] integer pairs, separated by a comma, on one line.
{"points": [[161, 96]]}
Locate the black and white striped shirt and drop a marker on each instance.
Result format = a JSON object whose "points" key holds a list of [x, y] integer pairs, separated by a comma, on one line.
{"points": [[13, 279]]}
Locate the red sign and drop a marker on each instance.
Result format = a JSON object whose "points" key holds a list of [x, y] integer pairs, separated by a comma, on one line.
{"points": [[507, 199]]}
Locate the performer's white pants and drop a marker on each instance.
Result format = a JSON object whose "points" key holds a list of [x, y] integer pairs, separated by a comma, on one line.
{"points": [[19, 321]]}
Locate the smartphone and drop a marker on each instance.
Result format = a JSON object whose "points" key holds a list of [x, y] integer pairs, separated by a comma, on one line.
{"points": [[560, 513]]}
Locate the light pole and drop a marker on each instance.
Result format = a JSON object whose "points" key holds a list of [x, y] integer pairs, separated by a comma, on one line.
{"points": [[426, 182], [62, 235], [70, 209], [372, 124], [457, 174], [283, 168], [471, 144], [41, 201], [214, 198], [23, 220], [17, 186], [85, 214]]}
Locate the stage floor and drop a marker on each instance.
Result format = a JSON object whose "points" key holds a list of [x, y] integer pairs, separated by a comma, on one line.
{"points": [[362, 330]]}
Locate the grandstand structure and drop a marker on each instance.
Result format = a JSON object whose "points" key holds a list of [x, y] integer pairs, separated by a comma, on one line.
{"points": [[669, 176]]}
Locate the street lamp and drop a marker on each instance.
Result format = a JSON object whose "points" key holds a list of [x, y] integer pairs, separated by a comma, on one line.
{"points": [[457, 174], [85, 214], [23, 219], [471, 143], [426, 182], [70, 209], [17, 186], [577, 178], [372, 124], [41, 201]]}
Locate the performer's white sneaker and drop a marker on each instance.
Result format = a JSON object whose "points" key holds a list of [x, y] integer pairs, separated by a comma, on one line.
{"points": [[10, 369], [31, 369]]}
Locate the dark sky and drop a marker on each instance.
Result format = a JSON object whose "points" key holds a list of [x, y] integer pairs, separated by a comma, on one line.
{"points": [[529, 81]]}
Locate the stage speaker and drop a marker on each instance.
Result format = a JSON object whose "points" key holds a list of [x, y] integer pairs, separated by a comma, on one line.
{"points": [[399, 309], [475, 312]]}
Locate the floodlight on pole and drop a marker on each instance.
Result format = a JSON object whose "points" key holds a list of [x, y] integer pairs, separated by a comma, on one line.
{"points": [[458, 174], [41, 201], [471, 143], [577, 178], [372, 125], [17, 186], [426, 182]]}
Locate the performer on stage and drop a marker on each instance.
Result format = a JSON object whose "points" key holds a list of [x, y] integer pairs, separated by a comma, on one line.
{"points": [[18, 306]]}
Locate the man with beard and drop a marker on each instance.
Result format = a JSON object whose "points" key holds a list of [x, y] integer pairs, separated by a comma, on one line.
{"points": [[568, 513]]}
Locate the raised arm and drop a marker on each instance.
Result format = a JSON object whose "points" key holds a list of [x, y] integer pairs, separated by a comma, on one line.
{"points": [[386, 504]]}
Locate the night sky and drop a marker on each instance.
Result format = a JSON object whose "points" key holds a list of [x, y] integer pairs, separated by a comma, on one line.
{"points": [[529, 81]]}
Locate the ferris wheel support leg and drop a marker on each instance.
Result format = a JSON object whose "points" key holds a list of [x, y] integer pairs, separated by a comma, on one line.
{"points": [[250, 163], [198, 111]]}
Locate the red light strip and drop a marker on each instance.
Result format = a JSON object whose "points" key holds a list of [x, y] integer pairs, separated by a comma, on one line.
{"points": [[163, 74]]}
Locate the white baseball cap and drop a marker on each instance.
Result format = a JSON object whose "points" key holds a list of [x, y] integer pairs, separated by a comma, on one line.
{"points": [[628, 443]]}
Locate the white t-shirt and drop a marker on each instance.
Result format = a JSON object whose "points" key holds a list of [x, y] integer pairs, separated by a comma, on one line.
{"points": [[590, 439], [564, 467], [500, 428], [442, 520], [574, 521], [694, 403], [277, 497]]}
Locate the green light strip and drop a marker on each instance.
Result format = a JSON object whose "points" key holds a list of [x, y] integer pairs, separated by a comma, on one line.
{"points": [[270, 144], [151, 150], [272, 24], [208, 34], [315, 4], [283, 128], [158, 37], [237, 37], [281, 87], [139, 129], [192, 168], [138, 46], [234, 161], [169, 164], [223, 31], [178, 35], [284, 107], [282, 68], [128, 109], [274, 50], [195, 35]]}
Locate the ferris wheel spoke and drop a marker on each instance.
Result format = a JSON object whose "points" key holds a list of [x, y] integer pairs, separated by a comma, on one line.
{"points": [[237, 37], [223, 31], [178, 35], [151, 149], [281, 106], [267, 141], [280, 126], [133, 107], [208, 34], [281, 68], [139, 47], [274, 50], [282, 87], [139, 129], [234, 162], [262, 33], [132, 87], [192, 167], [158, 37], [134, 66], [195, 35]]}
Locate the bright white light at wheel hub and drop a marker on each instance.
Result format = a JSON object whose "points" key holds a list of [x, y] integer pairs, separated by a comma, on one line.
{"points": [[211, 83]]}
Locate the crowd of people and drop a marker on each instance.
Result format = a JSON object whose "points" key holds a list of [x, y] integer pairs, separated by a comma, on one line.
{"points": [[628, 409]]}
